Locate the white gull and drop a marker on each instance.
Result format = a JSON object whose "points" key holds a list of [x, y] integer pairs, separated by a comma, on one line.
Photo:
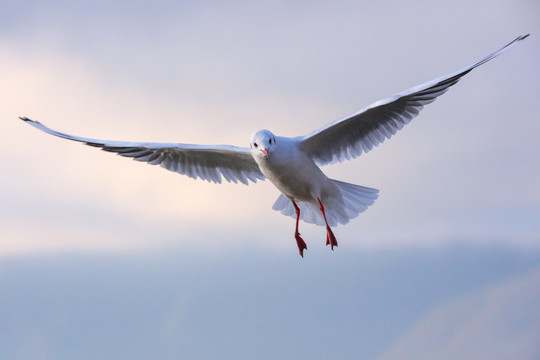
{"points": [[292, 164]]}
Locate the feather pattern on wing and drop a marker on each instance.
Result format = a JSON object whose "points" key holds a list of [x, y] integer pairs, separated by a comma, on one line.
{"points": [[349, 137], [207, 162]]}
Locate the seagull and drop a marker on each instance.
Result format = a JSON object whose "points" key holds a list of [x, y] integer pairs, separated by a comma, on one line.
{"points": [[292, 163]]}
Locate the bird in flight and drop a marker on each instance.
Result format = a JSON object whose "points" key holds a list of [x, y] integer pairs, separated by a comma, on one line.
{"points": [[292, 163]]}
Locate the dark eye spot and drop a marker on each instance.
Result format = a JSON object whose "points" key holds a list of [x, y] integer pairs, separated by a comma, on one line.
{"points": [[255, 144], [270, 141]]}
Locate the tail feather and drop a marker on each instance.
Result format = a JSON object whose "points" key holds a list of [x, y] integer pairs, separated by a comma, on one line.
{"points": [[339, 209]]}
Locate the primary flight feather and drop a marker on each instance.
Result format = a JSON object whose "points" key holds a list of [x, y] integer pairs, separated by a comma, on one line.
{"points": [[292, 164]]}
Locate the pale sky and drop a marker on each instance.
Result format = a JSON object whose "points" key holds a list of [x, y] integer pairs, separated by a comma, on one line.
{"points": [[465, 169], [459, 203]]}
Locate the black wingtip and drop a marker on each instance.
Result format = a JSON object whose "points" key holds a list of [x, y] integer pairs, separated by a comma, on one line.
{"points": [[25, 119], [524, 36]]}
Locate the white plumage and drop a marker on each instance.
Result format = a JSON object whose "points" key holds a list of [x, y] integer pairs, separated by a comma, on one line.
{"points": [[292, 164]]}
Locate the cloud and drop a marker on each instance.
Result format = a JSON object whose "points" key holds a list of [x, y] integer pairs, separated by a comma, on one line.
{"points": [[499, 322], [192, 303], [213, 73]]}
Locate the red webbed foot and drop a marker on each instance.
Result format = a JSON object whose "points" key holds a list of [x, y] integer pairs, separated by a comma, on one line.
{"points": [[301, 244], [330, 238]]}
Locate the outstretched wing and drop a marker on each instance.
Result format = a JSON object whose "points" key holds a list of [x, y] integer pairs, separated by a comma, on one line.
{"points": [[209, 163], [347, 138]]}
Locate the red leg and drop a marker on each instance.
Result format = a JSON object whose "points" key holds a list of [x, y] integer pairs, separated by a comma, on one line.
{"points": [[330, 238], [299, 241]]}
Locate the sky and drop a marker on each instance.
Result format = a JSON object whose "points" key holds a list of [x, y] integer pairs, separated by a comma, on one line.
{"points": [[361, 305], [462, 177]]}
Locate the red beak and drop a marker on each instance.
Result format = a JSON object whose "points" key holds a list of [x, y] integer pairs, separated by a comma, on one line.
{"points": [[265, 151]]}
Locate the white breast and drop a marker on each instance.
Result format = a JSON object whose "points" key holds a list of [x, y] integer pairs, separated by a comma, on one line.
{"points": [[294, 173]]}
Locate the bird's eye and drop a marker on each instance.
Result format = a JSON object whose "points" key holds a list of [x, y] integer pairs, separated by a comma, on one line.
{"points": [[255, 144], [270, 141]]}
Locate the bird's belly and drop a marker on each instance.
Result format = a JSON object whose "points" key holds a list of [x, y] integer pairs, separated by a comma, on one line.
{"points": [[297, 181], [292, 187]]}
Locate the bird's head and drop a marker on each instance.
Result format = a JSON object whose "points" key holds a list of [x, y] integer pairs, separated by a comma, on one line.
{"points": [[262, 144]]}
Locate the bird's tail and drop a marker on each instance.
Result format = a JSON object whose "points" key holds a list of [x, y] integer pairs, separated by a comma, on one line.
{"points": [[339, 209]]}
